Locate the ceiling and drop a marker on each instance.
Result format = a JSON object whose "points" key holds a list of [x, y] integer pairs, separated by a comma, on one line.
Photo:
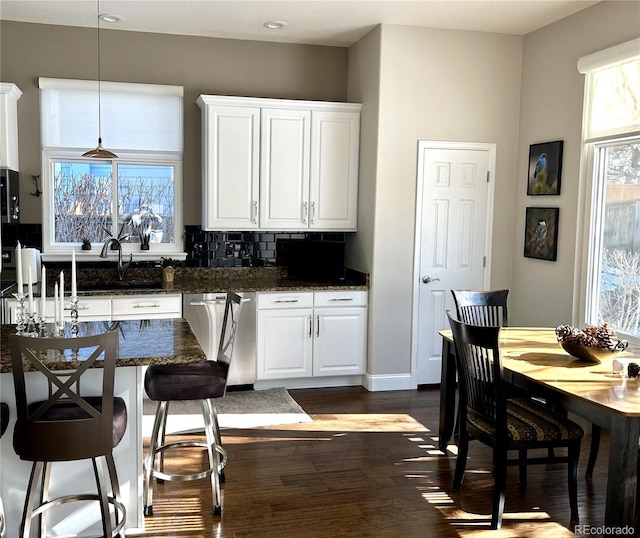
{"points": [[333, 22]]}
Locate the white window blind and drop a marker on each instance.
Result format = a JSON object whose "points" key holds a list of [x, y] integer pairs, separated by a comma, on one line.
{"points": [[135, 117], [612, 91]]}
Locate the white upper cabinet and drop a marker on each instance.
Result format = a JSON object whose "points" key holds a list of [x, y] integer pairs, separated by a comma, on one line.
{"points": [[333, 193], [9, 95], [230, 158], [284, 168], [277, 164]]}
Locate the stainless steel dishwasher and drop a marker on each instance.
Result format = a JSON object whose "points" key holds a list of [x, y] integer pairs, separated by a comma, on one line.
{"points": [[204, 311]]}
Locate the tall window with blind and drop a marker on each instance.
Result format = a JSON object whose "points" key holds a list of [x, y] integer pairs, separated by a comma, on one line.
{"points": [[612, 143], [136, 197]]}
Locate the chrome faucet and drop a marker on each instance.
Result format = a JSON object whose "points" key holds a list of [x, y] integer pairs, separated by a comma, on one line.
{"points": [[122, 267]]}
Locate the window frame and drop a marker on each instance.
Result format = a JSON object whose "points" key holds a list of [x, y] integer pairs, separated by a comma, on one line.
{"points": [[593, 223], [53, 251]]}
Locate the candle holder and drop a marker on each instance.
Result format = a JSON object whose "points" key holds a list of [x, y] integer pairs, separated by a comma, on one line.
{"points": [[32, 327], [58, 329], [20, 319], [42, 327], [73, 304]]}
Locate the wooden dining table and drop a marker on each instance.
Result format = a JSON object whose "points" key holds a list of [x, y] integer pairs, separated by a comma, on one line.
{"points": [[534, 361]]}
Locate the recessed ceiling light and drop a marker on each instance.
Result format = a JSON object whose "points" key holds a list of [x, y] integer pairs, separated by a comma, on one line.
{"points": [[106, 17], [275, 25]]}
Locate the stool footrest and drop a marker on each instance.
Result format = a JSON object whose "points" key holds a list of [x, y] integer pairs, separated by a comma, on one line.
{"points": [[120, 508], [157, 473]]}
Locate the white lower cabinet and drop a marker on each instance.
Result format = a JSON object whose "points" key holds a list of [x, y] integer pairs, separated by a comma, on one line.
{"points": [[89, 309], [311, 334], [110, 307]]}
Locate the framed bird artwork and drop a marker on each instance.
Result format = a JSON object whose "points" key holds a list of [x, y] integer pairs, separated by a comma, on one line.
{"points": [[545, 168], [541, 233]]}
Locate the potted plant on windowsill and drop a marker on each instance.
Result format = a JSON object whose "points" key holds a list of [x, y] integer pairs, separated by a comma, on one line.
{"points": [[168, 269], [86, 244]]}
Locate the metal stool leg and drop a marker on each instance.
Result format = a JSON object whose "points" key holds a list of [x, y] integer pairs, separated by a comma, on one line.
{"points": [[151, 457], [214, 462]]}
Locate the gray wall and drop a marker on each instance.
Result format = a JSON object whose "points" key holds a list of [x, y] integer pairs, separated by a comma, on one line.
{"points": [[201, 65], [433, 85], [551, 109]]}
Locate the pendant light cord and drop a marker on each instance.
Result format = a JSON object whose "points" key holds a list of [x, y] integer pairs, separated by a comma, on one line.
{"points": [[99, 83]]}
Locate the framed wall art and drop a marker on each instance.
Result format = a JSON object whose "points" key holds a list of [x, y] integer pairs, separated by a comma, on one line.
{"points": [[545, 168], [541, 233]]}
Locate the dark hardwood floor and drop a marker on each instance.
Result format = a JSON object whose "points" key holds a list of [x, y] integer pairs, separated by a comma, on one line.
{"points": [[367, 466]]}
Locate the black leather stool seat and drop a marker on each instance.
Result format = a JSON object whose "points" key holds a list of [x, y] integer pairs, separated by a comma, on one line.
{"points": [[71, 411], [193, 381]]}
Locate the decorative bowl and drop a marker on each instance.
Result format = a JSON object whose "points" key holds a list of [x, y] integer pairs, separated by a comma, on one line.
{"points": [[593, 354]]}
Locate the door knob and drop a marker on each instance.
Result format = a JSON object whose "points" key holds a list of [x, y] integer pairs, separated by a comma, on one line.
{"points": [[428, 279]]}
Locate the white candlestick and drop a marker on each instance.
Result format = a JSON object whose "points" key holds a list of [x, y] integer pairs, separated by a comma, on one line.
{"points": [[19, 268], [30, 291], [56, 300], [61, 314], [43, 293], [74, 285]]}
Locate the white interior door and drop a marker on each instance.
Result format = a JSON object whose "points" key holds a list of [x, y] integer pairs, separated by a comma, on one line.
{"points": [[454, 213]]}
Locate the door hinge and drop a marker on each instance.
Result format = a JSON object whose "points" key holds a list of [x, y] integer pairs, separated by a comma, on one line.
{"points": [[484, 261], [488, 174]]}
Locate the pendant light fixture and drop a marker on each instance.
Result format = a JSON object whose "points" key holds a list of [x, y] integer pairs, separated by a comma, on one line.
{"points": [[99, 152]]}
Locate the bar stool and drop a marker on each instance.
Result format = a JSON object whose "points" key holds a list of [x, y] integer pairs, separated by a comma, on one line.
{"points": [[4, 423], [204, 381], [69, 425]]}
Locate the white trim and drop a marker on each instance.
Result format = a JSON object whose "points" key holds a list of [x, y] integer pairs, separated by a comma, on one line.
{"points": [[431, 144], [290, 104], [120, 87], [608, 57]]}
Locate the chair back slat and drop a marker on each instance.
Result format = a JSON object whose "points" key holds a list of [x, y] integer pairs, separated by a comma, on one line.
{"points": [[481, 376], [484, 308], [70, 423]]}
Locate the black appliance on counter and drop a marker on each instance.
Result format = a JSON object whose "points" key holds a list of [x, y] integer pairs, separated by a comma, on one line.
{"points": [[317, 260], [9, 196]]}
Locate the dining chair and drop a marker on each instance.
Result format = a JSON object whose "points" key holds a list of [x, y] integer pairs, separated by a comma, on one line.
{"points": [[73, 423], [486, 308], [503, 423], [205, 381]]}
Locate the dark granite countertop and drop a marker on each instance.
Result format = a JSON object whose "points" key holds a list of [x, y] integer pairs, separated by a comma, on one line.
{"points": [[160, 341], [199, 280]]}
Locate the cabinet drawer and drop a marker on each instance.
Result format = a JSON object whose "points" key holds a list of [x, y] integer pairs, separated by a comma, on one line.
{"points": [[94, 308], [146, 307], [340, 298], [285, 300]]}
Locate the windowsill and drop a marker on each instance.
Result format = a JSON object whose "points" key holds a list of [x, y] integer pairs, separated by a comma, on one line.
{"points": [[94, 255]]}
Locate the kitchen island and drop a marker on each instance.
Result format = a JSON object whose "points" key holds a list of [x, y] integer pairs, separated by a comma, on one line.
{"points": [[140, 343]]}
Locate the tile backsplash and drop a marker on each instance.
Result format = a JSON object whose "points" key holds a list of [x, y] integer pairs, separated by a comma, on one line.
{"points": [[241, 249]]}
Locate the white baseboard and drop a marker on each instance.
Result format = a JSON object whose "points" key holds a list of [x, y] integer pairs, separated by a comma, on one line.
{"points": [[378, 383], [373, 383]]}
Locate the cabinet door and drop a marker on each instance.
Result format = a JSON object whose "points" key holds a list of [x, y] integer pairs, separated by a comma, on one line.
{"points": [[335, 147], [284, 343], [339, 346], [284, 169], [230, 164]]}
